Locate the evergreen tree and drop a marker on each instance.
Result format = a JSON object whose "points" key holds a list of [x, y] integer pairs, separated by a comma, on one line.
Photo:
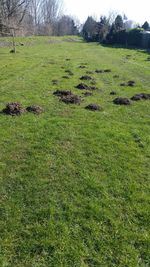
{"points": [[146, 26]]}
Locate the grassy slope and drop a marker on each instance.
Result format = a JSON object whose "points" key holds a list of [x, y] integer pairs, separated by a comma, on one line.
{"points": [[74, 184]]}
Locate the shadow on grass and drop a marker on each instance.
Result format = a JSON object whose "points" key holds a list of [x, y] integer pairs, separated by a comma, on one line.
{"points": [[138, 49]]}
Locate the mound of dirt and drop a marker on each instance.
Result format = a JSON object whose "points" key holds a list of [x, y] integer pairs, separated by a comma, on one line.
{"points": [[65, 77], [62, 93], [34, 109], [12, 51], [93, 107], [86, 78], [122, 101], [13, 109], [107, 70], [71, 99], [87, 94], [99, 71], [69, 72], [55, 82], [113, 93], [140, 97], [123, 84], [83, 86], [131, 83], [82, 67]]}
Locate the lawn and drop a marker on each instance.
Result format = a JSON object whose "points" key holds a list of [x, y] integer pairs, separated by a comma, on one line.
{"points": [[75, 188]]}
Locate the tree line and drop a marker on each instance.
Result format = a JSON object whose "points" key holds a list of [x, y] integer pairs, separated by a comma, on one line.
{"points": [[38, 17], [116, 31]]}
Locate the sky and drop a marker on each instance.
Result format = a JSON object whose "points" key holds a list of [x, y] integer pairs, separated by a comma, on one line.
{"points": [[136, 10]]}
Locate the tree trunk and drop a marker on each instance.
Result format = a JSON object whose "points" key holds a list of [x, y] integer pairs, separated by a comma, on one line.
{"points": [[13, 42]]}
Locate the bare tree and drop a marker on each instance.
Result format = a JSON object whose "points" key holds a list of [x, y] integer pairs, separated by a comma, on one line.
{"points": [[12, 13], [45, 13]]}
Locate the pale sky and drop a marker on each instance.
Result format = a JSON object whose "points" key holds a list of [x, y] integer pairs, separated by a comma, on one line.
{"points": [[136, 10]]}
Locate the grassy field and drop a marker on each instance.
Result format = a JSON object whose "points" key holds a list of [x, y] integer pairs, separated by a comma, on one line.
{"points": [[74, 183]]}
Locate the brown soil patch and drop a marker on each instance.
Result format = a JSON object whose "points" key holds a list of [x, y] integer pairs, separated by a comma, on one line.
{"points": [[62, 93], [69, 72], [12, 51], [82, 67], [93, 107], [71, 99], [99, 71], [65, 77], [13, 109], [83, 86], [86, 78], [131, 83], [113, 93], [123, 84], [122, 101], [55, 82], [107, 70], [140, 97], [34, 109]]}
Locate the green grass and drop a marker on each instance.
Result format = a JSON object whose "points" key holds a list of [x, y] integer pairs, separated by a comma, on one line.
{"points": [[75, 183]]}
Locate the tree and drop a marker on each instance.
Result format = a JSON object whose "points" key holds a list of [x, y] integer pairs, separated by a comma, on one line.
{"points": [[12, 14], [103, 28], [89, 31], [45, 15], [66, 26], [146, 26], [119, 23]]}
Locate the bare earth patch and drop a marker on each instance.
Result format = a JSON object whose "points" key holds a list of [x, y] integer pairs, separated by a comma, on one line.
{"points": [[86, 78], [93, 107], [99, 71], [35, 109], [83, 86], [13, 109], [69, 72], [65, 77], [62, 93], [122, 101], [140, 97], [113, 93], [71, 99], [131, 83]]}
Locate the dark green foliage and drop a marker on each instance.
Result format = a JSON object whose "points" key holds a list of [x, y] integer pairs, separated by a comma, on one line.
{"points": [[118, 23], [146, 26], [90, 31], [103, 28], [103, 32], [66, 26], [128, 38], [134, 37]]}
